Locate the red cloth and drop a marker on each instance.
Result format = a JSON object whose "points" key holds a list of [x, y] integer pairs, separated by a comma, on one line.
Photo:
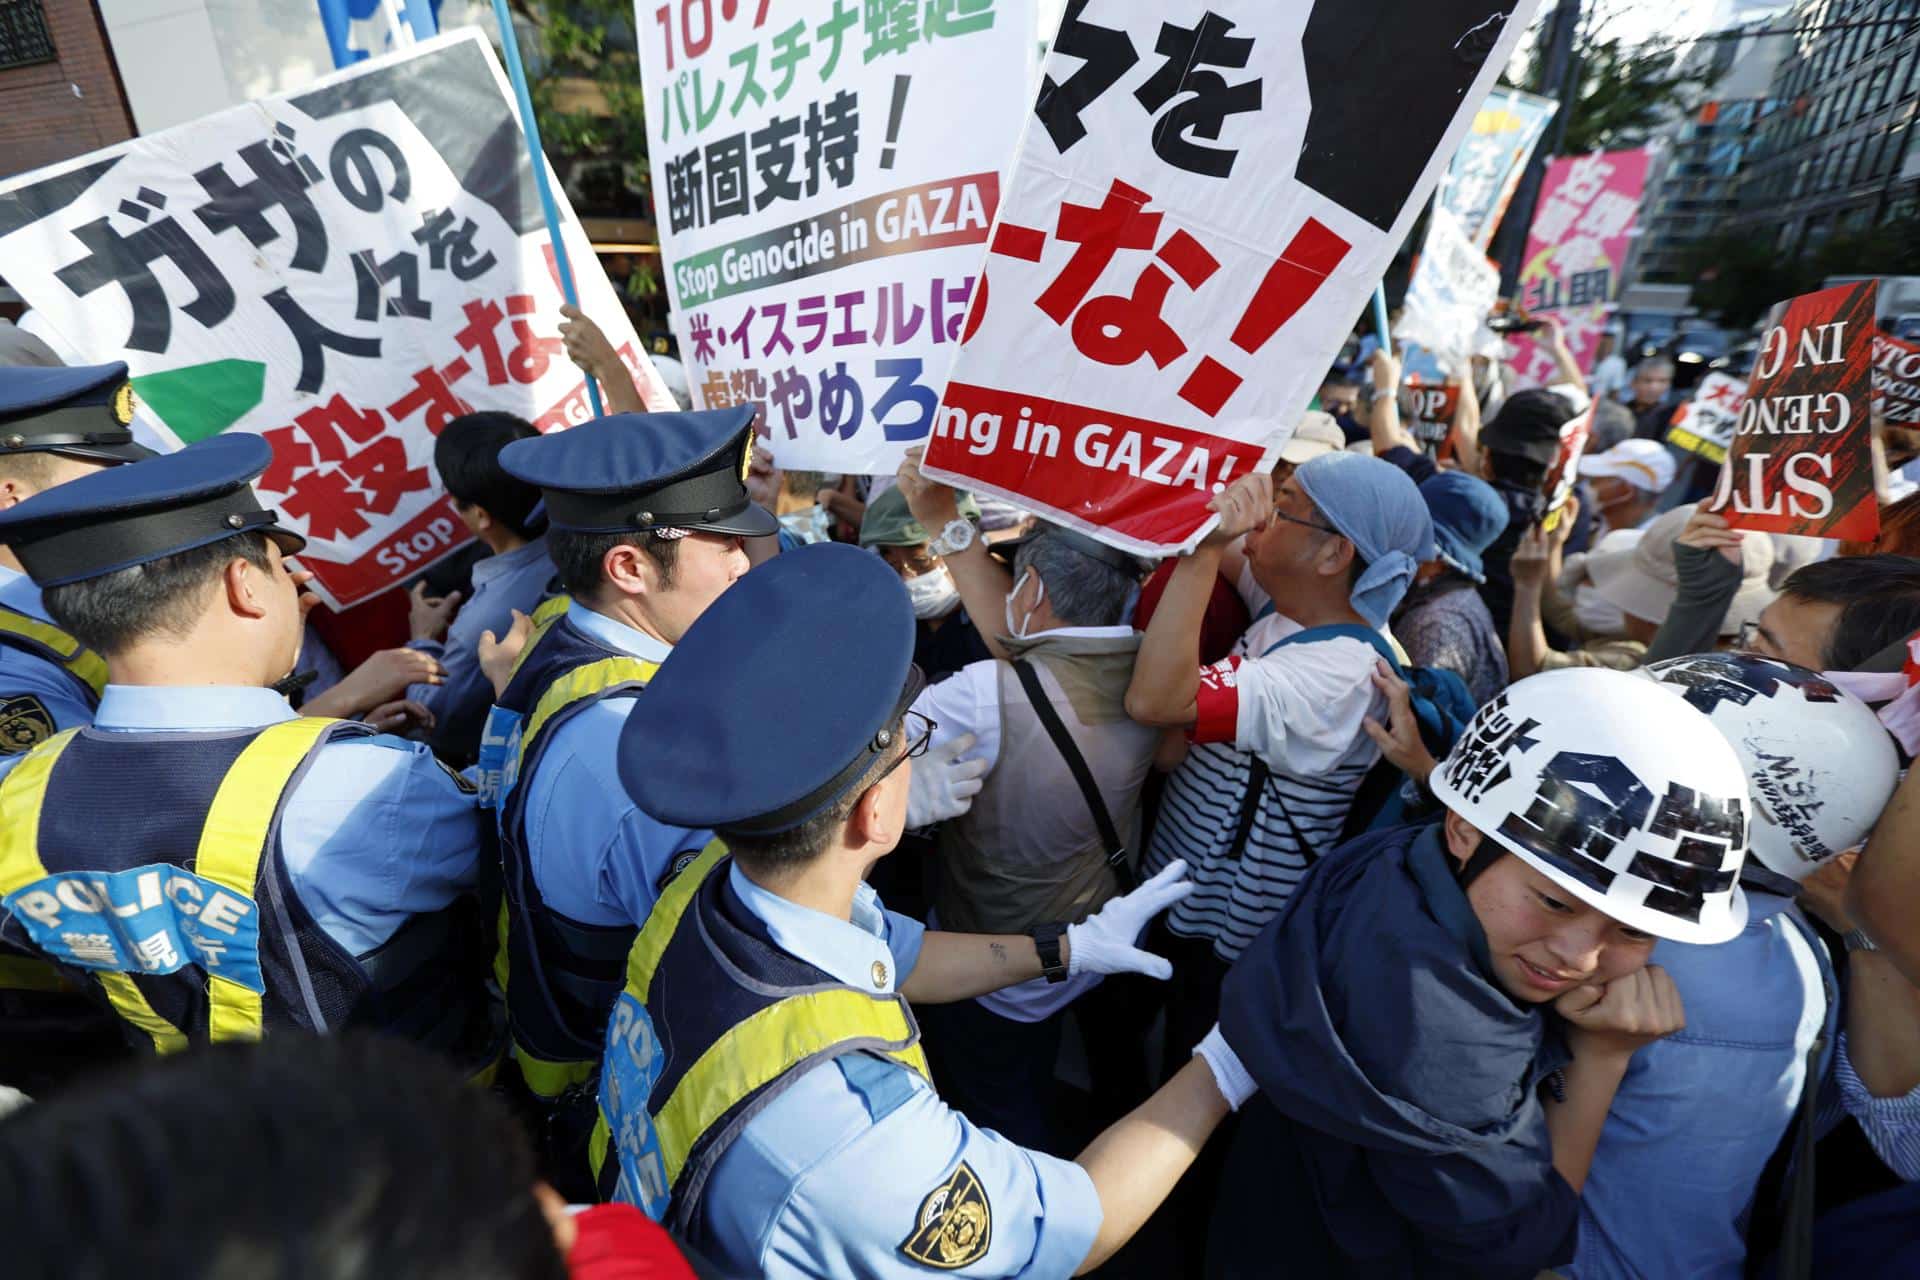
{"points": [[618, 1242], [362, 631], [1222, 624]]}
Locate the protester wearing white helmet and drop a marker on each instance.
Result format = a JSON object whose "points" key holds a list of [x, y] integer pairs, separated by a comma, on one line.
{"points": [[1418, 1112], [1760, 1012]]}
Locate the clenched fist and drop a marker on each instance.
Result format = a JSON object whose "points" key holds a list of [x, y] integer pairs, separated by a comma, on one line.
{"points": [[1625, 1014]]}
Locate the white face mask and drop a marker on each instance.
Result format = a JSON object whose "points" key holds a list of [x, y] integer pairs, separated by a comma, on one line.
{"points": [[934, 594], [1018, 631]]}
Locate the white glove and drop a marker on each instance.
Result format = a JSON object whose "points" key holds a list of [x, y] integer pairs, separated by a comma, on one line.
{"points": [[1103, 942], [944, 785], [1229, 1075]]}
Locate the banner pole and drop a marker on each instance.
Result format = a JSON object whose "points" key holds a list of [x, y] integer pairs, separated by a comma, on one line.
{"points": [[1380, 317], [510, 47]]}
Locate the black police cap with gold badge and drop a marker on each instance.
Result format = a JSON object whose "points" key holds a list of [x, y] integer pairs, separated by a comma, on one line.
{"points": [[84, 412], [637, 472], [124, 516], [779, 698]]}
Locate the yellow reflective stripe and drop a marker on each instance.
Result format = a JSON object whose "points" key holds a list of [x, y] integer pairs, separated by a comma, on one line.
{"points": [[133, 1006], [21, 797], [232, 841], [665, 918], [550, 1079], [82, 663], [548, 613], [583, 682], [759, 1050], [500, 948]]}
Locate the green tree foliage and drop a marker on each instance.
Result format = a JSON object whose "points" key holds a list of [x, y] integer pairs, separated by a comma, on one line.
{"points": [[1737, 277], [585, 82], [1626, 92]]}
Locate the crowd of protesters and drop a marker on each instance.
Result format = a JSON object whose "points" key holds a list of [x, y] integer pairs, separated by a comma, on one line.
{"points": [[1439, 871]]}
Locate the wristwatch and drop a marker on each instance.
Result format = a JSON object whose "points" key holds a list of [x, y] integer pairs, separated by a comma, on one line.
{"points": [[955, 538], [1046, 940], [1857, 940]]}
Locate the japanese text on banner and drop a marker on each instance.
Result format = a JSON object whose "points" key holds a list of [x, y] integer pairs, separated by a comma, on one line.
{"points": [[1197, 181], [1576, 250], [824, 183], [343, 271]]}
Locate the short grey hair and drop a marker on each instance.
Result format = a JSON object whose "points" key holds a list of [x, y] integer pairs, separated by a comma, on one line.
{"points": [[1083, 591]]}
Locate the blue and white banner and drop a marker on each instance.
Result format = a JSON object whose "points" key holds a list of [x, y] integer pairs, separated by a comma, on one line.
{"points": [[361, 29]]}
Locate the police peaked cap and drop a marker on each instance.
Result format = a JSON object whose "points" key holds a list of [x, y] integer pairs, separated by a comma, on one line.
{"points": [[144, 511], [632, 472], [816, 643], [82, 411]]}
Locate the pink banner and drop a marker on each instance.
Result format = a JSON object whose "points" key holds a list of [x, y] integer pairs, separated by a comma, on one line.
{"points": [[1575, 253]]}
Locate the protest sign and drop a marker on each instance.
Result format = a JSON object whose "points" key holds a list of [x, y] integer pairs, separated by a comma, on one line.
{"points": [[823, 186], [1451, 294], [1565, 471], [1575, 252], [1896, 380], [1704, 425], [1491, 159], [1203, 202], [1800, 461], [1430, 407], [342, 270]]}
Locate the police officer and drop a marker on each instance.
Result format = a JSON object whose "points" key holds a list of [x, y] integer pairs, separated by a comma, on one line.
{"points": [[55, 424], [763, 1088], [648, 518], [214, 865]]}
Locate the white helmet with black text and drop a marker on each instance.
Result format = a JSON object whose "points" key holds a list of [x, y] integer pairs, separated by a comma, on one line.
{"points": [[1819, 765], [1624, 795]]}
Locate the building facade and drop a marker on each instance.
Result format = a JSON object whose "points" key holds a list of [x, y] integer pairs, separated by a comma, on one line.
{"points": [[1835, 154], [60, 91]]}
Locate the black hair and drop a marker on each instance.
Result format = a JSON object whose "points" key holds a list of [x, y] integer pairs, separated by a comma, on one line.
{"points": [[1512, 469], [579, 556], [1879, 599], [108, 614], [467, 457], [346, 1157], [797, 846], [1534, 415]]}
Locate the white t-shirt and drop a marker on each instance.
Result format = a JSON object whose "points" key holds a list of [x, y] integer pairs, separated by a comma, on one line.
{"points": [[1299, 709]]}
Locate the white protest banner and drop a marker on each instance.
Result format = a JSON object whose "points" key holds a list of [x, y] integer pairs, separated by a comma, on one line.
{"points": [[1491, 159], [1705, 424], [1452, 292], [1896, 380], [342, 270], [823, 178], [1205, 198]]}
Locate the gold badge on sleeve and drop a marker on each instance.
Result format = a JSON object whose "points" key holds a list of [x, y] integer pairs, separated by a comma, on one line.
{"points": [[25, 723], [954, 1225]]}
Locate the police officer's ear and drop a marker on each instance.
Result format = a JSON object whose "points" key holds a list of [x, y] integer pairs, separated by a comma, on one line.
{"points": [[879, 817], [249, 587], [630, 569]]}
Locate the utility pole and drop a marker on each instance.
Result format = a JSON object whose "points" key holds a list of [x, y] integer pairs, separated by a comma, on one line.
{"points": [[1554, 78]]}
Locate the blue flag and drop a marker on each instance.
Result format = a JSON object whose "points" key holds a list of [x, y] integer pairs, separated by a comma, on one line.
{"points": [[357, 29]]}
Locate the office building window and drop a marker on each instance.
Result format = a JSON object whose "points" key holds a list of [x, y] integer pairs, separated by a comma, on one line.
{"points": [[24, 38]]}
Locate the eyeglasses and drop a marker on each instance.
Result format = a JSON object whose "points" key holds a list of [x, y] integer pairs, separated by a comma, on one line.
{"points": [[1278, 514], [918, 731]]}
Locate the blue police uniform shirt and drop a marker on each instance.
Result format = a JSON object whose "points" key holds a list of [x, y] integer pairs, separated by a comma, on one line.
{"points": [[30, 675], [831, 1178], [501, 583], [596, 858], [375, 833]]}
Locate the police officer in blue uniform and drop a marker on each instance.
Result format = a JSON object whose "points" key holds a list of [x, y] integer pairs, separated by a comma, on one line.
{"points": [[648, 520], [763, 1089], [56, 424], [214, 866]]}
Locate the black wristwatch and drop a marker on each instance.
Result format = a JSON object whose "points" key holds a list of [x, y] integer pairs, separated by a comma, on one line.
{"points": [[1046, 940]]}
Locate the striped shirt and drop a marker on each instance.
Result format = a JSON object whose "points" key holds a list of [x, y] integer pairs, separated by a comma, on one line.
{"points": [[1299, 709]]}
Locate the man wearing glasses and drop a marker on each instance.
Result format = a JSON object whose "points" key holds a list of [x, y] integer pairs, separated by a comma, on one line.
{"points": [[764, 1091]]}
